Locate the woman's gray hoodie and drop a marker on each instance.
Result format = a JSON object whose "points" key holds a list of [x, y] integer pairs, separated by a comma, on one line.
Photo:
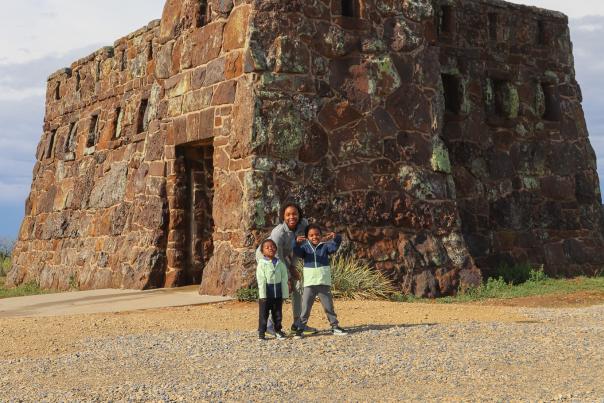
{"points": [[284, 238]]}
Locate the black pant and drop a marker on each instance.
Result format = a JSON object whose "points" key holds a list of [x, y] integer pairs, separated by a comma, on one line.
{"points": [[274, 306]]}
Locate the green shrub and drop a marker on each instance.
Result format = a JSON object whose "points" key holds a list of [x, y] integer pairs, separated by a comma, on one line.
{"points": [[491, 289], [5, 264], [352, 278], [247, 294], [537, 275], [31, 288], [515, 274]]}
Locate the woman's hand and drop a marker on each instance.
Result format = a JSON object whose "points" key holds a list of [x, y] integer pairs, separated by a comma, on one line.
{"points": [[300, 239], [329, 236]]}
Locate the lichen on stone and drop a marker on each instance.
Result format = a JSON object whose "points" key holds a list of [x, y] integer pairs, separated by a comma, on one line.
{"points": [[440, 156]]}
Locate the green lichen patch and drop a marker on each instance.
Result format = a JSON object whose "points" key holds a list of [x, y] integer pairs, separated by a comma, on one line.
{"points": [[440, 156]]}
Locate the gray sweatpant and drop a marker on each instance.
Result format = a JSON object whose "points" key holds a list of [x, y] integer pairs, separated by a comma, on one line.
{"points": [[308, 299]]}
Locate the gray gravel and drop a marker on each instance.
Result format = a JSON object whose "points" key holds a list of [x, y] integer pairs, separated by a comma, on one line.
{"points": [[557, 354]]}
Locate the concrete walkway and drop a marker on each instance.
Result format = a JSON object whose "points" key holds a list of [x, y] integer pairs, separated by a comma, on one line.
{"points": [[96, 301]]}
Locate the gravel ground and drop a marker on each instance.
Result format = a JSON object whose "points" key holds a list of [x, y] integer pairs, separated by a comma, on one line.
{"points": [[516, 353]]}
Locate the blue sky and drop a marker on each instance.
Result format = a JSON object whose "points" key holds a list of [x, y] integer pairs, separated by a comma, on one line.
{"points": [[50, 34]]}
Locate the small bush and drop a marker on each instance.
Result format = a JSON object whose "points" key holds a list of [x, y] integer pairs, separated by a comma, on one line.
{"points": [[247, 294], [516, 274], [491, 289], [31, 288], [537, 276], [352, 278]]}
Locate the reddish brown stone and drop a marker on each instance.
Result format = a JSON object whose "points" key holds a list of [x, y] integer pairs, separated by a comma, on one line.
{"points": [[207, 43], [236, 28], [225, 93], [337, 114]]}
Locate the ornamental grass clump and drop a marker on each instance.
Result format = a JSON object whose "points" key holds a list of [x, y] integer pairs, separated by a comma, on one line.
{"points": [[353, 278]]}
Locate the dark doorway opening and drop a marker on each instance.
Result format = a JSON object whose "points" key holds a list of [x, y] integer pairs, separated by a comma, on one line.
{"points": [[446, 20], [552, 110], [452, 93], [198, 226]]}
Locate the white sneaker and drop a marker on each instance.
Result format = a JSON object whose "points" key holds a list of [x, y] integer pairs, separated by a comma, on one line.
{"points": [[338, 331]]}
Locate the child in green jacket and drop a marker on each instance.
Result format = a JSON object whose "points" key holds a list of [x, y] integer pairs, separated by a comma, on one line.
{"points": [[271, 274]]}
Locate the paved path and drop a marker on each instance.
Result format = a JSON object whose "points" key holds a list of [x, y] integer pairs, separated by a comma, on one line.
{"points": [[99, 301]]}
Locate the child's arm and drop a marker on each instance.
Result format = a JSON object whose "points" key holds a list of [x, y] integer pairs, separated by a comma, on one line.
{"points": [[284, 281], [298, 250], [334, 245], [261, 278]]}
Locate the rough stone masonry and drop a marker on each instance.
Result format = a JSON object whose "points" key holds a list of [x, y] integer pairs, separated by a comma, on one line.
{"points": [[442, 138]]}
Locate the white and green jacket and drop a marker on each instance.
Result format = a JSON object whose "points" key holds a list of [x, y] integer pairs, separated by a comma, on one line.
{"points": [[272, 279], [317, 270]]}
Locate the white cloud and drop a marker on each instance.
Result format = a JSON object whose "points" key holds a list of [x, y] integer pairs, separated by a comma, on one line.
{"points": [[54, 27], [14, 94], [576, 8]]}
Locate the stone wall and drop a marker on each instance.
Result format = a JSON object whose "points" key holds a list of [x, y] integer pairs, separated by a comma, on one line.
{"points": [[107, 208], [348, 123], [524, 170], [441, 138]]}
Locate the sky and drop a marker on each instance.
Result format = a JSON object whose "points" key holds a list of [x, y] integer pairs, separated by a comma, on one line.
{"points": [[47, 35]]}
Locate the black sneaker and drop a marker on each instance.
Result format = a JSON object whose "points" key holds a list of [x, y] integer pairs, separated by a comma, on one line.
{"points": [[310, 330], [279, 335], [293, 328], [261, 336], [298, 334], [338, 331]]}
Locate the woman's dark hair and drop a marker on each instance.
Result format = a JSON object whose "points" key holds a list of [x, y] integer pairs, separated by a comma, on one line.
{"points": [[288, 205], [312, 226], [265, 241]]}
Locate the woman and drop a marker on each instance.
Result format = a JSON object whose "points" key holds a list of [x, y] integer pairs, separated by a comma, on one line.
{"points": [[292, 226]]}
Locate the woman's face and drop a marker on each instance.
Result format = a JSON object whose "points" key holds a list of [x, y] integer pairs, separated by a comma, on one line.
{"points": [[291, 217]]}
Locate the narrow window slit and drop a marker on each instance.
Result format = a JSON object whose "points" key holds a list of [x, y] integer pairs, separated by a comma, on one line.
{"points": [[123, 60], [552, 110], [51, 144], [98, 70], [541, 33], [446, 22], [143, 116], [117, 123], [78, 81], [70, 143], [93, 132], [348, 8], [452, 93], [203, 13], [493, 21], [58, 91]]}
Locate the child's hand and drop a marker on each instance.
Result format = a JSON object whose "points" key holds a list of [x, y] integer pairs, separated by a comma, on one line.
{"points": [[300, 239]]}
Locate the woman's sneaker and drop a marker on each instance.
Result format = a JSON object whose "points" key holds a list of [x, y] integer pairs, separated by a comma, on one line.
{"points": [[310, 330], [298, 334], [279, 335], [338, 331], [261, 336]]}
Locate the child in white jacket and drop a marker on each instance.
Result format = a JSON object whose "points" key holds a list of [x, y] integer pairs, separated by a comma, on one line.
{"points": [[271, 274]]}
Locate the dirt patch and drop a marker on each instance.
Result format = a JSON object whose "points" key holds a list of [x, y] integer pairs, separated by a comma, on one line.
{"points": [[51, 336], [576, 299]]}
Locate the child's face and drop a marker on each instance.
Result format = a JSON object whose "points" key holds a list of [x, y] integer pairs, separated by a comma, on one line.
{"points": [[269, 249], [314, 236]]}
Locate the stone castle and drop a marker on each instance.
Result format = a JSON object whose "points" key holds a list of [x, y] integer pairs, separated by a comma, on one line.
{"points": [[441, 138]]}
